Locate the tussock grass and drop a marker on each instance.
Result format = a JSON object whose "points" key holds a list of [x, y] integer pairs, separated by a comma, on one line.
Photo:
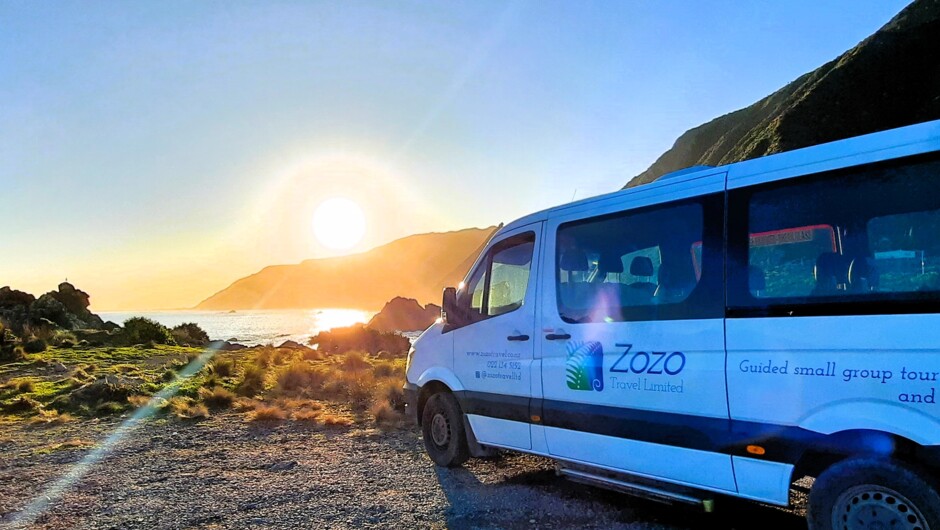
{"points": [[263, 412], [217, 397], [187, 408]]}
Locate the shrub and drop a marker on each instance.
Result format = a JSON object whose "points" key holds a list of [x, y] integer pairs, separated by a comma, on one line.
{"points": [[64, 339], [189, 334], [35, 345], [360, 338], [51, 417], [216, 398], [140, 330], [301, 376], [355, 361], [335, 420], [264, 356], [267, 413], [109, 407], [391, 392], [385, 415], [360, 388], [186, 408], [252, 382], [222, 367]]}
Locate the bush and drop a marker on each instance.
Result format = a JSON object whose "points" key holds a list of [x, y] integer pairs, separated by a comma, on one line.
{"points": [[216, 398], [64, 339], [354, 362], [252, 382], [186, 408], [360, 338], [267, 413], [301, 376], [222, 367], [386, 416], [35, 345], [189, 334], [141, 330]]}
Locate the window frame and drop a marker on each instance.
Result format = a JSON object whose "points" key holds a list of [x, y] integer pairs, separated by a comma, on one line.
{"points": [[707, 298], [742, 303], [529, 236]]}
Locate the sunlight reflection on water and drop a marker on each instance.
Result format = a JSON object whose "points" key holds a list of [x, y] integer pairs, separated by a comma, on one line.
{"points": [[255, 327]]}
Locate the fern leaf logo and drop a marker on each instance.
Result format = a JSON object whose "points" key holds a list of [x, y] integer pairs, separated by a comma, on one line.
{"points": [[584, 367]]}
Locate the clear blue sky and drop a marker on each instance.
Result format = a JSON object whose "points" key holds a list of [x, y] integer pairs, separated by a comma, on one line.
{"points": [[149, 144]]}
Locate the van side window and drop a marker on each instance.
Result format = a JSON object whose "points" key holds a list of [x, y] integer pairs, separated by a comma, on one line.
{"points": [[510, 277], [499, 283], [856, 235], [635, 265]]}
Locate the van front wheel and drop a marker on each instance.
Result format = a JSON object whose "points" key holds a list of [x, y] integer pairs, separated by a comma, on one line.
{"points": [[442, 427], [869, 493]]}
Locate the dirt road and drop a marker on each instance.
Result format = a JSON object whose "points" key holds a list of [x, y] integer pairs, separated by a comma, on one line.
{"points": [[225, 472]]}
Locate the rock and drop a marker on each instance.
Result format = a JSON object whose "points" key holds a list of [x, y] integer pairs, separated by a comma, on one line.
{"points": [[283, 466], [404, 314], [110, 326], [106, 388], [291, 345], [14, 308], [224, 345]]}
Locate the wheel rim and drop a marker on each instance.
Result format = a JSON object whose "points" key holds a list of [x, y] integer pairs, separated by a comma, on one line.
{"points": [[440, 430], [871, 507]]}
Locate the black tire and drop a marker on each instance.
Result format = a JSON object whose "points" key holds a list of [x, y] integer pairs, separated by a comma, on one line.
{"points": [[442, 426], [871, 493]]}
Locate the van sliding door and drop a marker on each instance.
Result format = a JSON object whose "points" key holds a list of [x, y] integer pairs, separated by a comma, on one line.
{"points": [[632, 333]]}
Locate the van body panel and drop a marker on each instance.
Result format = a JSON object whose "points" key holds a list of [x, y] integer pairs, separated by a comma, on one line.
{"points": [[835, 373], [713, 471], [671, 366], [763, 481], [885, 145], [489, 357], [506, 433]]}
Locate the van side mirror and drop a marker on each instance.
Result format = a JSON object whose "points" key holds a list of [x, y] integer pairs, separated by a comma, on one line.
{"points": [[450, 313]]}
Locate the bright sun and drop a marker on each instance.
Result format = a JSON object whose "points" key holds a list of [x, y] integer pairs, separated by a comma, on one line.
{"points": [[339, 223]]}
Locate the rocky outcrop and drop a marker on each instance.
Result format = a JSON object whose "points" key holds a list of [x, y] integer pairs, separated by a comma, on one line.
{"points": [[66, 308], [891, 79], [404, 314]]}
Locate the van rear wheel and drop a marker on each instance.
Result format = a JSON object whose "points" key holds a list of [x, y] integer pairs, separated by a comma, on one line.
{"points": [[442, 426], [867, 494]]}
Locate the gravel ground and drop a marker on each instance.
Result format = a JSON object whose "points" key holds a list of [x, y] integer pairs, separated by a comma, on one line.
{"points": [[225, 472]]}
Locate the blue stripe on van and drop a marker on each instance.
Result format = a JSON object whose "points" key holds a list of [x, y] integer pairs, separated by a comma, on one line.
{"points": [[784, 444]]}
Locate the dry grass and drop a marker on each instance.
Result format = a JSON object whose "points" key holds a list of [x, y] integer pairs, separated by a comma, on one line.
{"points": [[301, 377], [24, 386], [335, 420], [186, 408], [306, 415], [216, 397], [138, 400], [264, 412], [51, 417], [222, 367], [386, 417], [253, 381], [355, 361]]}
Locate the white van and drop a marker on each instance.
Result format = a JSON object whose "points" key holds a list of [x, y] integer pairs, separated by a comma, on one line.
{"points": [[723, 330]]}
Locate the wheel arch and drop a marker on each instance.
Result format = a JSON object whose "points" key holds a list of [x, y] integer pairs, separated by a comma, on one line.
{"points": [[858, 443]]}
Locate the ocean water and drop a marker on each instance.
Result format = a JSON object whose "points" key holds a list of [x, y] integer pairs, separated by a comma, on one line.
{"points": [[256, 327]]}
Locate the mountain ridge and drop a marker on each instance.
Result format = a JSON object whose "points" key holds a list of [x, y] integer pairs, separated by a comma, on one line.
{"points": [[409, 266], [890, 79]]}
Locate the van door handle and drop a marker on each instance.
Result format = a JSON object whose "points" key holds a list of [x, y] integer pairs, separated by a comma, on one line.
{"points": [[518, 337], [558, 336]]}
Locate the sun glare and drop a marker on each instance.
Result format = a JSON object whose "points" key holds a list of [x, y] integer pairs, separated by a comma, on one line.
{"points": [[339, 223]]}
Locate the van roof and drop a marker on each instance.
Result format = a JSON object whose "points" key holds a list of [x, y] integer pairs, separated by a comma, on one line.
{"points": [[883, 145]]}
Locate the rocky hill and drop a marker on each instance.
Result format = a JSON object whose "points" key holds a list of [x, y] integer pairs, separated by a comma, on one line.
{"points": [[417, 266], [405, 314], [889, 80]]}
